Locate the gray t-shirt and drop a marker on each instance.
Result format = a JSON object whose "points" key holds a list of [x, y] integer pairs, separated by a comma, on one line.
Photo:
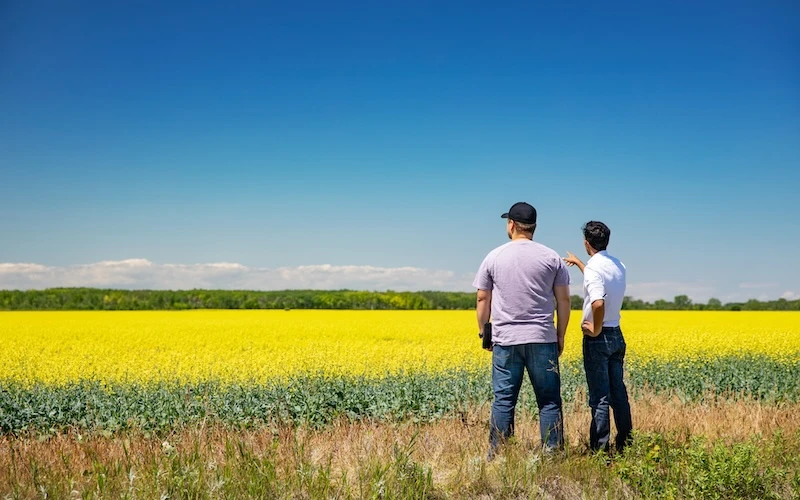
{"points": [[521, 275]]}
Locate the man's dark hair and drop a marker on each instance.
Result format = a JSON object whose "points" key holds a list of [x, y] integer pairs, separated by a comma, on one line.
{"points": [[597, 234]]}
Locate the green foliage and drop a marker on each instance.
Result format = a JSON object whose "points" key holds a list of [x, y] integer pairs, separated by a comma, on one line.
{"points": [[311, 399], [91, 299], [114, 300], [320, 399], [753, 375], [665, 467], [684, 303]]}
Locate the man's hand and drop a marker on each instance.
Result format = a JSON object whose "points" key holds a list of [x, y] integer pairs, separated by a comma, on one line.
{"points": [[560, 345], [589, 329], [572, 260], [595, 326]]}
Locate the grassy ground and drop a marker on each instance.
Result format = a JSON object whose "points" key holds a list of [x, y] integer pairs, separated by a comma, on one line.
{"points": [[706, 448]]}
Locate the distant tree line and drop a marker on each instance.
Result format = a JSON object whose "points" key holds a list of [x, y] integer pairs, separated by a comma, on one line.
{"points": [[62, 299], [56, 299], [684, 303]]}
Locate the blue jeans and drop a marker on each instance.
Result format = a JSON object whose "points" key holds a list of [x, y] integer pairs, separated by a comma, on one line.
{"points": [[603, 358], [508, 366]]}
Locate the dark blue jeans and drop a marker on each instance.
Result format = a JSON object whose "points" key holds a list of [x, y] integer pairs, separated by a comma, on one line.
{"points": [[603, 359], [508, 367]]}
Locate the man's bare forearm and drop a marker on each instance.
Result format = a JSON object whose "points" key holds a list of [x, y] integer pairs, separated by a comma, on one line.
{"points": [[562, 318], [598, 315], [562, 310], [483, 308]]}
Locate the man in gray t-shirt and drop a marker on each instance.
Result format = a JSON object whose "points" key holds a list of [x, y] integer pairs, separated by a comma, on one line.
{"points": [[522, 284]]}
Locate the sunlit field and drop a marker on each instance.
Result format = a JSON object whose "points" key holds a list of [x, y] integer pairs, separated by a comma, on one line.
{"points": [[380, 404]]}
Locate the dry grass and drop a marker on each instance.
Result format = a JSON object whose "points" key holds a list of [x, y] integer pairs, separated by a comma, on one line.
{"points": [[451, 450]]}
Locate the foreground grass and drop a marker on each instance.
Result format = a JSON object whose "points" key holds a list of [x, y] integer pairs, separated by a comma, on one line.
{"points": [[714, 448]]}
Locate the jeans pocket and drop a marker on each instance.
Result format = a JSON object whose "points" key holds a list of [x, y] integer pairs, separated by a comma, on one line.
{"points": [[500, 355]]}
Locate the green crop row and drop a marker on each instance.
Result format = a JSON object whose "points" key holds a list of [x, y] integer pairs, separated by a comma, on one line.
{"points": [[318, 399]]}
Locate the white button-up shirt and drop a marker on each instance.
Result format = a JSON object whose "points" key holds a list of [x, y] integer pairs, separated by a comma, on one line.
{"points": [[604, 278]]}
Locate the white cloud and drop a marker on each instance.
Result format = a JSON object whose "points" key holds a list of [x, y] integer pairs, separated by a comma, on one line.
{"points": [[789, 295], [141, 273]]}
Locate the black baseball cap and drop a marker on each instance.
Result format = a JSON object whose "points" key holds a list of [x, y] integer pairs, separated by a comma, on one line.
{"points": [[521, 212]]}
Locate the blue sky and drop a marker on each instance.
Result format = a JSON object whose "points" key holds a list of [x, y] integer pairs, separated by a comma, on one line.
{"points": [[392, 135]]}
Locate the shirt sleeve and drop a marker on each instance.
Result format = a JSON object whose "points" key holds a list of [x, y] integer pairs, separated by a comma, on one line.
{"points": [[595, 288], [483, 280], [562, 274]]}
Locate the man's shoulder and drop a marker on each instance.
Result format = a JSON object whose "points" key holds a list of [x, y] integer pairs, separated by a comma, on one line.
{"points": [[495, 251], [531, 249], [499, 249], [536, 254], [545, 250], [602, 263], [615, 260], [544, 253]]}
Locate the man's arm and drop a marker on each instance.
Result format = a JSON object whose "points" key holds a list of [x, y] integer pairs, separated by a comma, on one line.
{"points": [[484, 283], [571, 260], [594, 327], [562, 314], [484, 307], [596, 291]]}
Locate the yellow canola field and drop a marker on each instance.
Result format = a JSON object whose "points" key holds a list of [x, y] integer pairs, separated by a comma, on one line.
{"points": [[241, 346]]}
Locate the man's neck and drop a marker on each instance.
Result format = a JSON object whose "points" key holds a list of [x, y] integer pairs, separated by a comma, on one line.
{"points": [[594, 252], [521, 236]]}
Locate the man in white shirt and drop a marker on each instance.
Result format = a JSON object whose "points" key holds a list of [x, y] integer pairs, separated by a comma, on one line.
{"points": [[603, 343]]}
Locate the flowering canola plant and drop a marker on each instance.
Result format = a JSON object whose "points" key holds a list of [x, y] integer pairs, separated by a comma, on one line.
{"points": [[57, 348]]}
